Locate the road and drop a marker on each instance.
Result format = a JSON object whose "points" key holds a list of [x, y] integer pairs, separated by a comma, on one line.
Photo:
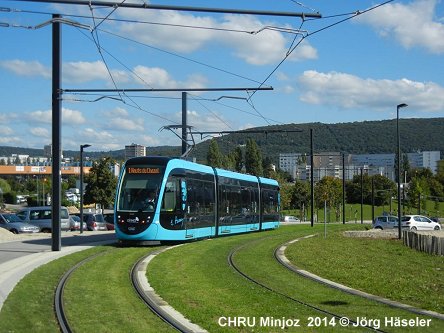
{"points": [[15, 246], [21, 254]]}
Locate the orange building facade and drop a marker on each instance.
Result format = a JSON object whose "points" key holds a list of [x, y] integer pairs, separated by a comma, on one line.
{"points": [[40, 170]]}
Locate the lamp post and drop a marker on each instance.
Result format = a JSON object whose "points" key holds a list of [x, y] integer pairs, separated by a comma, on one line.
{"points": [[399, 106], [81, 185]]}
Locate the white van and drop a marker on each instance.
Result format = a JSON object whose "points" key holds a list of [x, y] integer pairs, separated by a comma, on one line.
{"points": [[42, 217]]}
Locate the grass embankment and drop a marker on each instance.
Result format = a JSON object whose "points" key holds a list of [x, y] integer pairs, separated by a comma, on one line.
{"points": [[353, 211], [99, 296], [197, 280], [205, 288], [378, 266]]}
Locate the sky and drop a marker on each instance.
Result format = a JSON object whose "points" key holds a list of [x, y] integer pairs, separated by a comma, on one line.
{"points": [[356, 63]]}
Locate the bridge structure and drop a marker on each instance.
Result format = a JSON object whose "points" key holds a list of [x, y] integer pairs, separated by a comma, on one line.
{"points": [[27, 170]]}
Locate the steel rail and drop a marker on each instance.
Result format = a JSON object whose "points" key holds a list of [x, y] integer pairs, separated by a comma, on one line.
{"points": [[58, 296], [154, 302], [291, 298]]}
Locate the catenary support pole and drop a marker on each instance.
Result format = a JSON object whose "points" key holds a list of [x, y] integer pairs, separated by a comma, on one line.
{"points": [[56, 133], [343, 188], [184, 122], [312, 176]]}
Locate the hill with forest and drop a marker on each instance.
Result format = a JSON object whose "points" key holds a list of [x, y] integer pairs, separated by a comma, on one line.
{"points": [[368, 137]]}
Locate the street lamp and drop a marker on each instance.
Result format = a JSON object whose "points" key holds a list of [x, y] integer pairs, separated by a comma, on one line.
{"points": [[81, 185], [399, 106]]}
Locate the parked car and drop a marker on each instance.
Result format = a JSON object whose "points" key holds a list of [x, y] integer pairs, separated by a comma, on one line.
{"points": [[94, 221], [385, 222], [42, 217], [289, 218], [15, 225], [109, 219], [74, 223], [419, 222]]}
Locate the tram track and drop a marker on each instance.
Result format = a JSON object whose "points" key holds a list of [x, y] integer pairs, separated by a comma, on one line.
{"points": [[317, 309], [153, 301], [59, 307]]}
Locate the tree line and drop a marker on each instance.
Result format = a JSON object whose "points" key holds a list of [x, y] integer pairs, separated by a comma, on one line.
{"points": [[101, 183], [378, 189]]}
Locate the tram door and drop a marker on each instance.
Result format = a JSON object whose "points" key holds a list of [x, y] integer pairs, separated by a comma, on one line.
{"points": [[189, 233]]}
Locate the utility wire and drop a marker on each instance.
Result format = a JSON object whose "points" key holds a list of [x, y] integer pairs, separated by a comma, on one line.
{"points": [[317, 31], [182, 57]]}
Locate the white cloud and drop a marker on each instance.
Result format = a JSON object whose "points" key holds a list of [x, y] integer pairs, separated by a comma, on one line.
{"points": [[40, 132], [10, 140], [69, 117], [93, 135], [154, 77], [7, 117], [73, 72], [265, 47], [5, 130], [125, 124], [211, 121], [148, 140], [171, 38], [348, 91], [82, 71], [72, 117], [412, 24], [40, 116], [26, 68]]}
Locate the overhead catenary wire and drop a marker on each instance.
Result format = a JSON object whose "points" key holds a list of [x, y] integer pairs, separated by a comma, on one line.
{"points": [[289, 52], [353, 15]]}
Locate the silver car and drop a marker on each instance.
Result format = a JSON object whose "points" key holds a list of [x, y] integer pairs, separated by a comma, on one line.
{"points": [[385, 222], [94, 222], [419, 222], [15, 225]]}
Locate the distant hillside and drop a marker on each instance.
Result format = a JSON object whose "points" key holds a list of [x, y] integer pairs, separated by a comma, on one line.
{"points": [[368, 137]]}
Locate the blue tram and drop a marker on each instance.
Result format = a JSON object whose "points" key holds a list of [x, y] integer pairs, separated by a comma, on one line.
{"points": [[168, 199]]}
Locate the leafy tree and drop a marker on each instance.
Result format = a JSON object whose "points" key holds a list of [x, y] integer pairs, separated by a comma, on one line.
{"points": [[101, 183], [5, 188], [285, 192], [300, 195], [405, 167], [267, 166], [214, 156], [384, 189], [253, 159], [328, 189], [238, 159]]}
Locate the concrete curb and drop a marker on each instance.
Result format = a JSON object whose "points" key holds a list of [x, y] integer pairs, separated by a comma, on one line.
{"points": [[12, 271], [280, 254]]}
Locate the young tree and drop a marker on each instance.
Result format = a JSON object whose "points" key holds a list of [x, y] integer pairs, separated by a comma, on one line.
{"points": [[253, 159], [238, 159], [329, 190], [301, 194], [101, 183], [214, 156]]}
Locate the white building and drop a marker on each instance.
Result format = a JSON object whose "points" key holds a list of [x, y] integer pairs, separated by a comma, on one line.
{"points": [[425, 159], [134, 150]]}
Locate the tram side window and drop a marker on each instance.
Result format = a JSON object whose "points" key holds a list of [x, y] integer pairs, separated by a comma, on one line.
{"points": [[270, 200], [200, 197], [230, 196], [171, 197], [249, 200]]}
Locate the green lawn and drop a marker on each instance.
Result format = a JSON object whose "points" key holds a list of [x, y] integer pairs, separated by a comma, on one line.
{"points": [[353, 211], [198, 281]]}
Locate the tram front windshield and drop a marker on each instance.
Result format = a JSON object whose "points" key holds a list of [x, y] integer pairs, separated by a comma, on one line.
{"points": [[139, 189]]}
